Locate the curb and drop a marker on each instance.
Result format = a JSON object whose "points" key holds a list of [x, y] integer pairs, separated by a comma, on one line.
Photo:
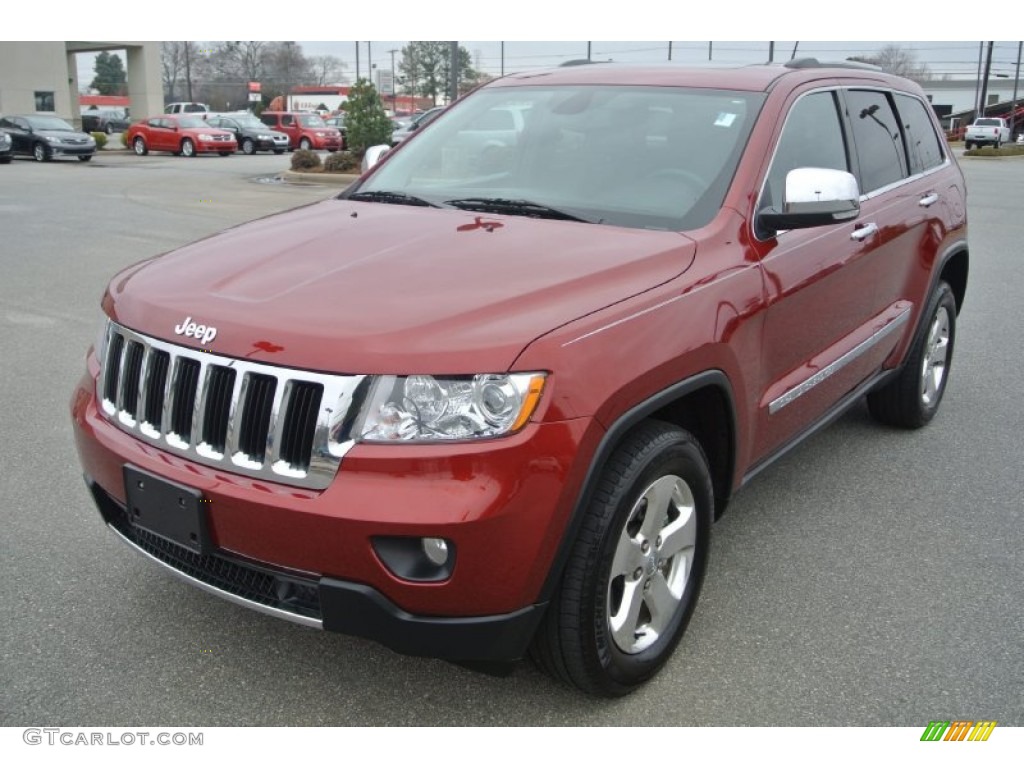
{"points": [[320, 178]]}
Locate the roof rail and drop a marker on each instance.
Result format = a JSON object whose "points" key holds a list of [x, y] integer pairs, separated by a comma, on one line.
{"points": [[812, 63]]}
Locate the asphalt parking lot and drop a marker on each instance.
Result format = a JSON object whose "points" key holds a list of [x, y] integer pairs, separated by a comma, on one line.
{"points": [[871, 577]]}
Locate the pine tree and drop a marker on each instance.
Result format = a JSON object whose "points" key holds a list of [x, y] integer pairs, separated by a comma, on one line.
{"points": [[110, 75], [366, 123]]}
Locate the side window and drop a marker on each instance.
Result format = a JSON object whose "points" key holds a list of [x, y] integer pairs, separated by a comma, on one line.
{"points": [[812, 137], [287, 119], [876, 133], [923, 148], [268, 119]]}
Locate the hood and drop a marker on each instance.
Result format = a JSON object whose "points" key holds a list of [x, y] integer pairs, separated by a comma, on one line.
{"points": [[356, 287]]}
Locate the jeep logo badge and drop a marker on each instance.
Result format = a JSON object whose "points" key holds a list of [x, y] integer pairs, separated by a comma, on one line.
{"points": [[204, 333]]}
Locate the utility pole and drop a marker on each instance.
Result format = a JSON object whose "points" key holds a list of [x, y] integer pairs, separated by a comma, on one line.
{"points": [[795, 46], [369, 62], [393, 51], [588, 50], [709, 49], [357, 61], [453, 75], [1016, 83], [771, 51], [188, 70], [977, 88], [670, 50], [984, 80], [502, 58]]}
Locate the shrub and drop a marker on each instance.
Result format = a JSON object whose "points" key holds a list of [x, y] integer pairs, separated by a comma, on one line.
{"points": [[1007, 150], [124, 140], [341, 162], [305, 160], [101, 139], [366, 123]]}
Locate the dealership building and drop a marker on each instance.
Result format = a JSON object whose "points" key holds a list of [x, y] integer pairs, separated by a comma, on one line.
{"points": [[43, 76]]}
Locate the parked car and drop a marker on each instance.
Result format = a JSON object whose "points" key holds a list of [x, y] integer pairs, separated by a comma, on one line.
{"points": [[985, 131], [187, 135], [189, 107], [104, 121], [5, 148], [252, 135], [476, 412], [305, 130], [338, 122], [45, 137], [421, 120]]}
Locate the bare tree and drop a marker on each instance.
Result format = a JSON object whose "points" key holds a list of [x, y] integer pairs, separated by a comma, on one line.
{"points": [[327, 70], [172, 67], [897, 61]]}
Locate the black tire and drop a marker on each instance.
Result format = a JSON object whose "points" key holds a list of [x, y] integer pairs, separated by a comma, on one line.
{"points": [[223, 154], [912, 398], [278, 151], [5, 159], [108, 129], [248, 147], [967, 145], [84, 158], [577, 641], [188, 149], [997, 144], [305, 143], [40, 152], [139, 145]]}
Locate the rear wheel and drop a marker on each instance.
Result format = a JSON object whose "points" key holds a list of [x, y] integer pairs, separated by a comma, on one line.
{"points": [[912, 398], [305, 143], [139, 145], [278, 151], [188, 149], [968, 145], [635, 571], [40, 152]]}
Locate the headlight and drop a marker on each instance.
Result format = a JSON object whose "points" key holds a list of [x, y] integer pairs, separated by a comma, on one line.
{"points": [[429, 408], [321, 134], [205, 137], [262, 137]]}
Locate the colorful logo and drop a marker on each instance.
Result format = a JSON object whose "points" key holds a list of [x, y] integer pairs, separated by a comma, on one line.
{"points": [[958, 730]]}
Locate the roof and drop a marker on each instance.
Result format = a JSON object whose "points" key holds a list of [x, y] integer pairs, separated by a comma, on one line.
{"points": [[744, 78]]}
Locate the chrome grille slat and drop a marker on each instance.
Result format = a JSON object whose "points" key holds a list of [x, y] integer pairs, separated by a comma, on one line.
{"points": [[265, 421]]}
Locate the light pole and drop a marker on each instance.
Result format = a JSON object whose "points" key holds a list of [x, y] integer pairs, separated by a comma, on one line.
{"points": [[393, 51]]}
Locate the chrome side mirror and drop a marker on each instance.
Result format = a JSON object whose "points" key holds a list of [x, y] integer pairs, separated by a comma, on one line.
{"points": [[374, 155], [814, 197]]}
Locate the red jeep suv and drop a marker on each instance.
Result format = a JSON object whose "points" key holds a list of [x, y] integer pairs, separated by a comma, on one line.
{"points": [[489, 401], [305, 130]]}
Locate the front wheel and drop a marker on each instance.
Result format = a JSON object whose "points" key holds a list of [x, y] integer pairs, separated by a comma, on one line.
{"points": [[40, 153], [305, 143], [248, 147], [188, 149], [912, 398], [223, 154], [634, 573], [84, 158], [139, 145], [968, 145]]}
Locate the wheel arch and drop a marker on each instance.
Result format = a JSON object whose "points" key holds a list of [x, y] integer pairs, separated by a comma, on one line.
{"points": [[954, 270], [703, 405]]}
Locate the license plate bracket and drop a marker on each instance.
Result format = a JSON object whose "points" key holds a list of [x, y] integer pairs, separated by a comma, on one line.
{"points": [[171, 511]]}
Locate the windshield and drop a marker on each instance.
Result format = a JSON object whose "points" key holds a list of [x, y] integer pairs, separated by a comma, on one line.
{"points": [[645, 157], [192, 122], [48, 124], [311, 121]]}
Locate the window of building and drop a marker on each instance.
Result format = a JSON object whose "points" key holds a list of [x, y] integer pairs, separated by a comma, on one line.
{"points": [[44, 101]]}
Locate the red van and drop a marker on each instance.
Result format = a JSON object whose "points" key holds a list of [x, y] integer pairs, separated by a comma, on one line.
{"points": [[306, 130]]}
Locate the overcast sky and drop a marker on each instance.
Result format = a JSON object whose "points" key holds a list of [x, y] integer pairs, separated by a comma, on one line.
{"points": [[955, 59]]}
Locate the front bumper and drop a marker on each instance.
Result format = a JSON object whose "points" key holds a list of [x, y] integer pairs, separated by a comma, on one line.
{"points": [[216, 146], [72, 150], [331, 604], [503, 505]]}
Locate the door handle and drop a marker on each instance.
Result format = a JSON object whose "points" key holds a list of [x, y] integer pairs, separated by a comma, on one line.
{"points": [[863, 233], [930, 199]]}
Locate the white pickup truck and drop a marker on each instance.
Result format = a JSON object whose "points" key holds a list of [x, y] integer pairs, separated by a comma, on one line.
{"points": [[987, 130]]}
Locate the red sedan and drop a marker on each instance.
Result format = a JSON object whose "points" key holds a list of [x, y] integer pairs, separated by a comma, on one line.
{"points": [[186, 135]]}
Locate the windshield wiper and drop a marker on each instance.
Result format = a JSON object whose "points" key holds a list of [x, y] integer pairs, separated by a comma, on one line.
{"points": [[395, 198], [515, 208]]}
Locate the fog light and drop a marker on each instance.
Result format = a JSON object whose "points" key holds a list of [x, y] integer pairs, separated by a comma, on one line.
{"points": [[436, 550]]}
